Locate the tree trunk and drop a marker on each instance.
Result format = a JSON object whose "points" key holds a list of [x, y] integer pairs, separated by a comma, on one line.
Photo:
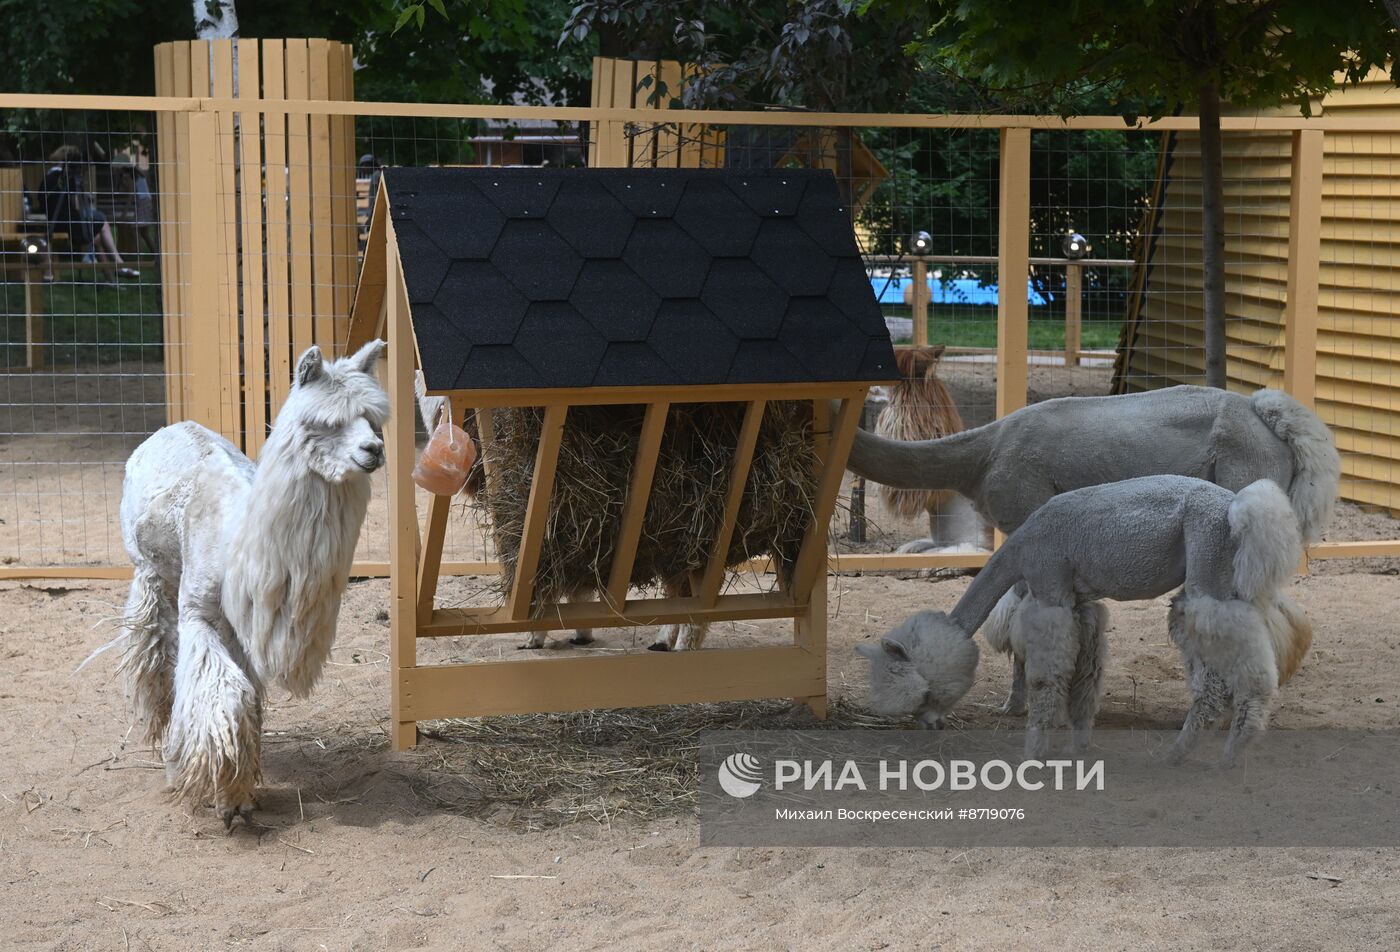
{"points": [[1212, 235]]}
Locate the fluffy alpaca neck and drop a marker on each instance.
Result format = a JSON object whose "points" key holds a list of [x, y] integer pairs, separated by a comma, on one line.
{"points": [[995, 579], [287, 565], [953, 462]]}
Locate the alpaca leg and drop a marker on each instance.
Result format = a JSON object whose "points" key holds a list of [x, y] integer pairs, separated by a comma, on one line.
{"points": [[997, 631], [212, 746], [1046, 635], [534, 639], [691, 637], [148, 655], [1086, 686], [1250, 720]]}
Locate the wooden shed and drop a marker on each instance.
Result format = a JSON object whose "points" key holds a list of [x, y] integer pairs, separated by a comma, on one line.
{"points": [[569, 288], [1357, 383]]}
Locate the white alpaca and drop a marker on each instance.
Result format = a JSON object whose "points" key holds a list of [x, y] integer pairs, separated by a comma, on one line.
{"points": [[1009, 468], [1239, 636], [239, 570]]}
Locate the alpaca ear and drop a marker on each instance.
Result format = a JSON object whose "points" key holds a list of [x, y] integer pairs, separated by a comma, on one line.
{"points": [[311, 367], [894, 649], [367, 356]]}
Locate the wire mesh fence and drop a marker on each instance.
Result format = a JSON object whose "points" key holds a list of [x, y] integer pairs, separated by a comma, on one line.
{"points": [[236, 233]]}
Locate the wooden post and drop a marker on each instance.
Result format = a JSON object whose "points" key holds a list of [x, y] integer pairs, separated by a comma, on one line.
{"points": [[1304, 269], [430, 555], [522, 588], [919, 301], [1013, 269], [403, 517], [34, 356], [738, 479], [203, 344], [634, 510], [809, 627], [1074, 308]]}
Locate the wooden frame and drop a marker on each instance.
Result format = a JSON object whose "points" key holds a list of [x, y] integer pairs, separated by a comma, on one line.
{"points": [[422, 692]]}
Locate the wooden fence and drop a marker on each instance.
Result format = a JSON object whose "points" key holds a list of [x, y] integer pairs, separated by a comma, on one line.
{"points": [[225, 273]]}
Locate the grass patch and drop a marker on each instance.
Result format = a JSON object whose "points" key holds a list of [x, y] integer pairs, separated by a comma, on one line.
{"points": [[86, 321], [962, 326]]}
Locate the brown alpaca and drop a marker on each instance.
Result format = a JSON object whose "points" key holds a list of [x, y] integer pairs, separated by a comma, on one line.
{"points": [[921, 408]]}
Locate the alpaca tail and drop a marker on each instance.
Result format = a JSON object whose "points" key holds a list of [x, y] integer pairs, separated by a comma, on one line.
{"points": [[1317, 469], [146, 660], [1291, 633], [1268, 546]]}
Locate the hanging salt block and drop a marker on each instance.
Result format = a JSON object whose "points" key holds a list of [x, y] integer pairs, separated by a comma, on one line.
{"points": [[443, 465]]}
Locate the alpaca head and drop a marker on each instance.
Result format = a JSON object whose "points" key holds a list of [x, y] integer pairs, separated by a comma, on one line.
{"points": [[333, 418], [922, 667]]}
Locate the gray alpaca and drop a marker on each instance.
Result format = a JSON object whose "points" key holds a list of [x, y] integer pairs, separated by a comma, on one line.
{"points": [[1136, 539], [1010, 468]]}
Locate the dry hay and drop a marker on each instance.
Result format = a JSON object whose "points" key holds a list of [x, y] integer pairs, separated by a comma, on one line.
{"points": [[538, 771], [687, 497]]}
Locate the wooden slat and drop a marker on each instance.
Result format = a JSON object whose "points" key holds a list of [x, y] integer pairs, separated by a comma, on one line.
{"points": [[634, 509], [251, 253], [1304, 253], [734, 499], [342, 199], [164, 156], [809, 627], [522, 587], [668, 140], [178, 257], [204, 345], [490, 620], [322, 216], [430, 555], [602, 80], [226, 278], [403, 519], [1013, 269], [603, 396], [630, 680], [369, 292], [299, 200], [811, 558], [279, 315]]}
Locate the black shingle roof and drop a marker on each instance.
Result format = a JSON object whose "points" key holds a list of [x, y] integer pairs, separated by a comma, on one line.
{"points": [[634, 277]]}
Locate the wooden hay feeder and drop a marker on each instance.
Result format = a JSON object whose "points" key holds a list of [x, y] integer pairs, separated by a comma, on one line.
{"points": [[557, 289]]}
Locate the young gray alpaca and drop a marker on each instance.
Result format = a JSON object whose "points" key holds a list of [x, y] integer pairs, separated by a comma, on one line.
{"points": [[1238, 635], [239, 570], [1010, 468]]}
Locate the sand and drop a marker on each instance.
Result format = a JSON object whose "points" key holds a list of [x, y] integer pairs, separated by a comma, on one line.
{"points": [[361, 848]]}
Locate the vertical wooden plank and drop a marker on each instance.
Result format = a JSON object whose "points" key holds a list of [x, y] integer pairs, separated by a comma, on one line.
{"points": [[1304, 267], [1013, 269], [811, 559], [279, 315], [668, 140], [919, 300], [342, 198], [738, 479], [522, 587], [178, 258], [322, 227], [299, 199], [403, 519], [34, 352], [618, 153], [230, 358], [163, 160], [350, 232], [203, 354], [602, 80], [1074, 312], [250, 184], [634, 510], [809, 627]]}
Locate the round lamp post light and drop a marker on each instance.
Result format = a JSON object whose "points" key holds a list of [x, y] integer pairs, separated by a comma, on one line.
{"points": [[920, 243], [1075, 246]]}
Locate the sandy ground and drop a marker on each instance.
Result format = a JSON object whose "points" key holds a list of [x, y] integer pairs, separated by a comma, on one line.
{"points": [[361, 848]]}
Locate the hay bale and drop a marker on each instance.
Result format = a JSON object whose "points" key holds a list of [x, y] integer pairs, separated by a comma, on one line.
{"points": [[688, 492]]}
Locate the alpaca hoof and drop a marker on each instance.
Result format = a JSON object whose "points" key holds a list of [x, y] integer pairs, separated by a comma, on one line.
{"points": [[1014, 708], [581, 640], [529, 647], [658, 646]]}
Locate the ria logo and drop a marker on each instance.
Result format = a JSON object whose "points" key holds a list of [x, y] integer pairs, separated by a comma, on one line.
{"points": [[740, 775]]}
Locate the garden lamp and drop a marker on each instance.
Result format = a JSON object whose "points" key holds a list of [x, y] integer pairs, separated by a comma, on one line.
{"points": [[1075, 246], [921, 243]]}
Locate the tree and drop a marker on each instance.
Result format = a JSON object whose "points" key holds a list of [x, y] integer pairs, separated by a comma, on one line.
{"points": [[1174, 54]]}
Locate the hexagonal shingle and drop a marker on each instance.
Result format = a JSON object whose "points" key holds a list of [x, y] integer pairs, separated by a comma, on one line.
{"points": [[461, 223], [770, 194], [822, 339], [716, 218], [852, 294], [795, 262], [536, 260], [428, 264], [765, 361], [498, 367], [744, 298], [633, 364], [586, 215], [613, 299], [696, 344], [479, 301], [562, 346], [647, 196], [667, 259], [825, 220], [519, 193], [443, 360]]}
